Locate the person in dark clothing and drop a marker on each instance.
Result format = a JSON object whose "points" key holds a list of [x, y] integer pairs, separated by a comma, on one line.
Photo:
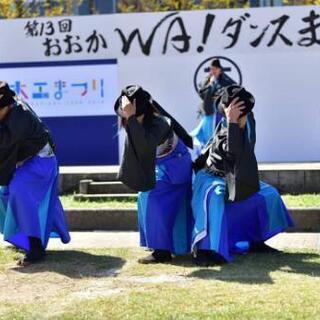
{"points": [[29, 207], [157, 164], [210, 115], [233, 211], [230, 153]]}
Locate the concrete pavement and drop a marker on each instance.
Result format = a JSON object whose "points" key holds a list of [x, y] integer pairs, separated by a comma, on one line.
{"points": [[124, 239]]}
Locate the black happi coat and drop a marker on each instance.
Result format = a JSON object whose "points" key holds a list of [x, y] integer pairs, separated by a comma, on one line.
{"points": [[230, 153], [208, 90], [137, 169], [22, 135]]}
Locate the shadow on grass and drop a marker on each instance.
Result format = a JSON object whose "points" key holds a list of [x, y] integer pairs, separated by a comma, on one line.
{"points": [[77, 264], [257, 268]]}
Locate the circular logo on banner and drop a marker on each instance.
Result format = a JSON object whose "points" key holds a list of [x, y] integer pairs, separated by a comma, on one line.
{"points": [[228, 66]]}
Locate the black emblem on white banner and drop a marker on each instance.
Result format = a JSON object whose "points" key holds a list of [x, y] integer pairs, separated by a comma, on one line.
{"points": [[229, 67]]}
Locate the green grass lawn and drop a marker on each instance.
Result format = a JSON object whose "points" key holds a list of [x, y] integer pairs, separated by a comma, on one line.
{"points": [[69, 203], [304, 200], [109, 284]]}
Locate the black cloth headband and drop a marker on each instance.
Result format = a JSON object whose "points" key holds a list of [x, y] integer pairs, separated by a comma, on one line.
{"points": [[224, 97], [6, 95]]}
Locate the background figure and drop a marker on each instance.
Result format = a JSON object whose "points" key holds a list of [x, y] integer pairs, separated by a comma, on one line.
{"points": [[233, 211], [30, 210], [157, 163], [209, 115]]}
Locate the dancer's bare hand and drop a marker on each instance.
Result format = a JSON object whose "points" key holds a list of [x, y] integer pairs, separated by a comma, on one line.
{"points": [[128, 109], [234, 110]]}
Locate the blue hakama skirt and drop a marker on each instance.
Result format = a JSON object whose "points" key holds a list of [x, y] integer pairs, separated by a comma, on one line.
{"points": [[29, 205], [205, 129], [164, 213], [229, 227]]}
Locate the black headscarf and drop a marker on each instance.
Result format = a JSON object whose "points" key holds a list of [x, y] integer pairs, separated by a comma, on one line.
{"points": [[144, 102], [225, 96], [6, 95], [135, 92], [216, 63]]}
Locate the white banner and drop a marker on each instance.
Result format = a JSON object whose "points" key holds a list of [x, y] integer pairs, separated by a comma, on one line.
{"points": [[273, 52]]}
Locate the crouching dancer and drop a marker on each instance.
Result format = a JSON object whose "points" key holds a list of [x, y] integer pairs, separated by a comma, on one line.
{"points": [[30, 210], [233, 211], [157, 163]]}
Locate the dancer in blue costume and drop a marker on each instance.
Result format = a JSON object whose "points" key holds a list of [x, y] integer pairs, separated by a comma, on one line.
{"points": [[233, 211], [210, 116], [30, 210], [157, 163]]}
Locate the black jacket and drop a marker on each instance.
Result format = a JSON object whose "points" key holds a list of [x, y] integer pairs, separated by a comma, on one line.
{"points": [[208, 90], [230, 153], [137, 169], [22, 135]]}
